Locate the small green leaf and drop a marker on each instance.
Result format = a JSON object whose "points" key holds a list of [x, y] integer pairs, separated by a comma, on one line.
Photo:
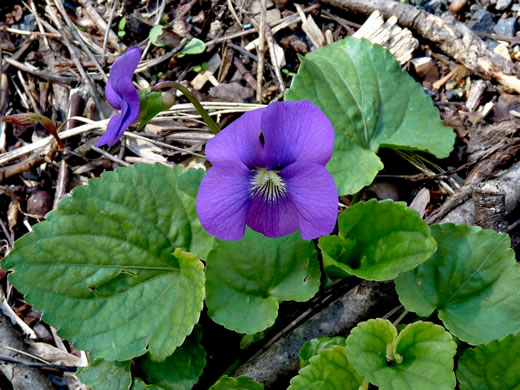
{"points": [[181, 370], [111, 257], [155, 34], [238, 383], [122, 24], [247, 279], [377, 241], [494, 365], [330, 370], [372, 103], [472, 280], [420, 358], [194, 46], [140, 385], [315, 346], [105, 375]]}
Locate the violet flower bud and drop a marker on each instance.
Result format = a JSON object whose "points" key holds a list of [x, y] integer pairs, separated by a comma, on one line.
{"points": [[122, 95]]}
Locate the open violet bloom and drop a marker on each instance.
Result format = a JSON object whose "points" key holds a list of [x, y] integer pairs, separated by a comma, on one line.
{"points": [[122, 95], [269, 174]]}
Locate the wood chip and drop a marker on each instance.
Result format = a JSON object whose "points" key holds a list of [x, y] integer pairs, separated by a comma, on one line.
{"points": [[311, 29], [204, 76], [476, 91], [501, 50], [400, 42], [145, 149], [420, 201], [422, 65]]}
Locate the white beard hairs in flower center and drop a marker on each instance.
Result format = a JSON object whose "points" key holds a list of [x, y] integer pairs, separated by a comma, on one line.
{"points": [[268, 185]]}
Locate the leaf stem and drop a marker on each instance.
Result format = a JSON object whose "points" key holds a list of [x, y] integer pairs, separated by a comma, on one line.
{"points": [[193, 100], [355, 198], [400, 318], [364, 385]]}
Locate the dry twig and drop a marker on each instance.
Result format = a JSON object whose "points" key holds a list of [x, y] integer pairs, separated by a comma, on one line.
{"points": [[260, 53]]}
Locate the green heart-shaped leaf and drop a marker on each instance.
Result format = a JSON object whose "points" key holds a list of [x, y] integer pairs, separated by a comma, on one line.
{"points": [[181, 370], [246, 279], [377, 241], [372, 103], [154, 35], [494, 365], [194, 46], [315, 346], [420, 358], [104, 375], [238, 383], [472, 280], [330, 370], [105, 263]]}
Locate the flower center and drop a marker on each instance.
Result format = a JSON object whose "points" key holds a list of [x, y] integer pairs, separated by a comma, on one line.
{"points": [[268, 185]]}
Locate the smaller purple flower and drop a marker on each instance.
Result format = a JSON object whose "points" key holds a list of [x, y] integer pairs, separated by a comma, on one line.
{"points": [[122, 95], [269, 174]]}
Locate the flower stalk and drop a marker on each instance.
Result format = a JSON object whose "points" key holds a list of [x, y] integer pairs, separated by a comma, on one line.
{"points": [[193, 100]]}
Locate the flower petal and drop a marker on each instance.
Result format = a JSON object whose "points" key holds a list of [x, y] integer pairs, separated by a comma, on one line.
{"points": [[223, 200], [273, 219], [296, 131], [240, 141], [312, 191], [130, 108], [112, 96], [121, 94], [121, 74]]}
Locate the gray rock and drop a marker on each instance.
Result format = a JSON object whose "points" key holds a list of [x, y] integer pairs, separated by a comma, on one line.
{"points": [[506, 27], [482, 20], [503, 4], [435, 7], [27, 24]]}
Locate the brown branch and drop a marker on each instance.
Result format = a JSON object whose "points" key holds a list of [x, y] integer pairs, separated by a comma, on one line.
{"points": [[453, 37], [275, 365]]}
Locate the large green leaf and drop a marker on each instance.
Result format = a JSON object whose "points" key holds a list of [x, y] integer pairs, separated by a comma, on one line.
{"points": [[330, 370], [238, 383], [377, 241], [104, 268], [181, 370], [491, 366], [372, 103], [472, 280], [246, 279], [315, 346], [104, 375], [420, 358]]}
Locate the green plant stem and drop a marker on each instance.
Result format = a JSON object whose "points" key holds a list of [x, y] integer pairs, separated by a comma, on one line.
{"points": [[364, 385], [355, 198], [193, 100]]}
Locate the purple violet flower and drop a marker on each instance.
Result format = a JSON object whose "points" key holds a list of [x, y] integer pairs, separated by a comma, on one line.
{"points": [[269, 173], [122, 95]]}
